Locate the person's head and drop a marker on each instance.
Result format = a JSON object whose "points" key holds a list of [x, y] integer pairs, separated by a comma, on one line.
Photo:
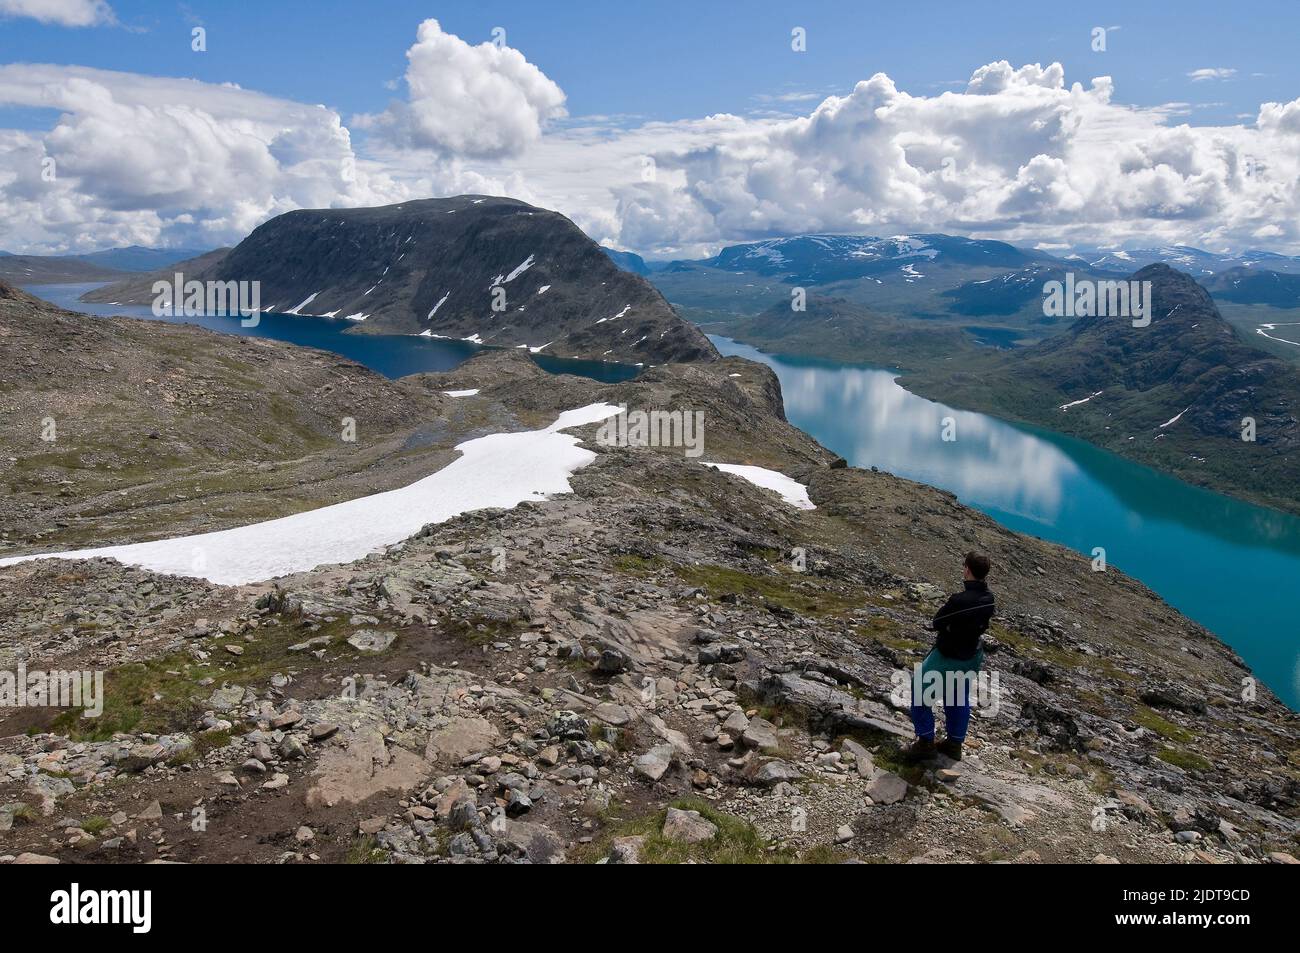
{"points": [[975, 566]]}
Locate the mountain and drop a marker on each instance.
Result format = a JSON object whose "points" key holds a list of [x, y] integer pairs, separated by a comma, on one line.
{"points": [[1173, 395], [493, 270], [628, 261], [139, 258], [53, 269], [636, 666], [822, 259], [932, 280], [1244, 285]]}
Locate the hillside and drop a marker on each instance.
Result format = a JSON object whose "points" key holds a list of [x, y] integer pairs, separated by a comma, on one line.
{"points": [[1173, 395], [567, 679], [493, 270], [166, 428], [53, 269], [839, 330]]}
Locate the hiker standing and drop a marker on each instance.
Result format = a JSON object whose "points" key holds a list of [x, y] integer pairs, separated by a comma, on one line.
{"points": [[954, 663]]}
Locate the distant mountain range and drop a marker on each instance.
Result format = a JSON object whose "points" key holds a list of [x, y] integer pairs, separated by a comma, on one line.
{"points": [[490, 270], [1194, 261], [107, 265], [1174, 395]]}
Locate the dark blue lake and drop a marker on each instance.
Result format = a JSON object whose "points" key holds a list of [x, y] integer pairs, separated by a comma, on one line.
{"points": [[393, 355]]}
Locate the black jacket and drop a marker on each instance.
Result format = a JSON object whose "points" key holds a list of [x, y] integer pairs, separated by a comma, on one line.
{"points": [[963, 619]]}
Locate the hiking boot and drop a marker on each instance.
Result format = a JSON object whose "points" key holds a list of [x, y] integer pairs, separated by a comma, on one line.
{"points": [[949, 749], [922, 749]]}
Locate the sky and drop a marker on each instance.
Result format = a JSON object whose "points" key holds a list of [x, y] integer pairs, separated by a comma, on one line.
{"points": [[667, 128]]}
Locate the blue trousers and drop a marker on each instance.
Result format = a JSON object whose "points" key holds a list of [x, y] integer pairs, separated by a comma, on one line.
{"points": [[956, 720]]}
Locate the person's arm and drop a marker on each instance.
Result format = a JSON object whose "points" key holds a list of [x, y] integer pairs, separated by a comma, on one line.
{"points": [[946, 610]]}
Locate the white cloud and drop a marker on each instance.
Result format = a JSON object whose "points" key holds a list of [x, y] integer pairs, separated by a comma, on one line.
{"points": [[1200, 76], [61, 12], [1211, 73], [1017, 154], [152, 160], [481, 101]]}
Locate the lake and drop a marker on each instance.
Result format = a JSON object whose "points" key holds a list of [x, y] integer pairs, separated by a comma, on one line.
{"points": [[1227, 564], [393, 355]]}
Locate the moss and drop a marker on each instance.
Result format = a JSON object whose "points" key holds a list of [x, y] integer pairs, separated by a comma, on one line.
{"points": [[1187, 760], [1148, 719]]}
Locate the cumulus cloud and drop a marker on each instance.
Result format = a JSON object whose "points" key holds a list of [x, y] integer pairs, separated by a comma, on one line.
{"points": [[134, 158], [478, 101], [1018, 154], [61, 12]]}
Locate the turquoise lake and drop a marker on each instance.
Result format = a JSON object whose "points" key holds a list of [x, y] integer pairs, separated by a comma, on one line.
{"points": [[1229, 565]]}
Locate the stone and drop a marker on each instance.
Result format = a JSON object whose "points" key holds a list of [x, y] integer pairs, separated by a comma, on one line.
{"points": [[843, 834], [534, 841], [224, 699], [654, 764], [460, 738], [286, 720], [688, 827], [887, 788], [612, 661], [761, 734], [322, 731], [364, 767], [371, 640], [626, 850], [862, 760], [735, 723], [29, 858], [776, 772]]}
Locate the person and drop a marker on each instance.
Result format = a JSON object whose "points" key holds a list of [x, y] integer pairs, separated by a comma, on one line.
{"points": [[953, 662]]}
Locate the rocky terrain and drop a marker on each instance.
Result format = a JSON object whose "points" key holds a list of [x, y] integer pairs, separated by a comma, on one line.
{"points": [[1174, 395], [494, 270], [669, 664]]}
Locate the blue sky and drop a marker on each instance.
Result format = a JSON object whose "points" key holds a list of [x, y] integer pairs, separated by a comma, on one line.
{"points": [[675, 60], [668, 128]]}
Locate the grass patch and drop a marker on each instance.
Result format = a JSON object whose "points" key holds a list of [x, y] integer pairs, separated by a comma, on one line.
{"points": [[1148, 719], [164, 694], [784, 588], [1187, 760], [94, 825], [365, 850], [737, 841]]}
